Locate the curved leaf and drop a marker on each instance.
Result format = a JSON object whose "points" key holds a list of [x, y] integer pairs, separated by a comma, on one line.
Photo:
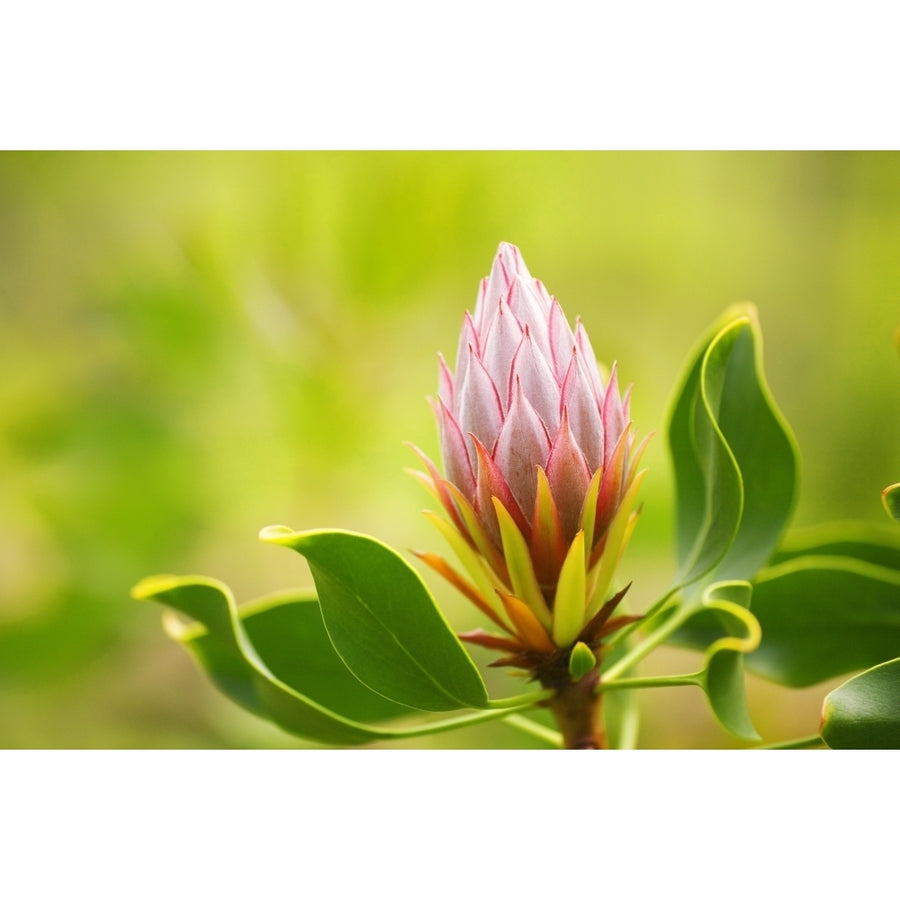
{"points": [[724, 671], [877, 544], [719, 622], [310, 673], [824, 616], [383, 621], [864, 712], [709, 495], [224, 651], [734, 458]]}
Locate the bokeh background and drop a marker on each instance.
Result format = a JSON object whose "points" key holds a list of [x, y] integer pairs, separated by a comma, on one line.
{"points": [[195, 345]]}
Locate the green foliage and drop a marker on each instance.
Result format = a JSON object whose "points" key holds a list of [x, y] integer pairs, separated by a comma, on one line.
{"points": [[384, 622], [864, 712], [876, 544], [734, 458], [723, 678], [735, 473], [221, 646], [824, 616], [275, 659], [820, 617]]}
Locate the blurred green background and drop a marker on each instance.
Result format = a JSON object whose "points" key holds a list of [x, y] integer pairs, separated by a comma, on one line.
{"points": [[196, 345]]}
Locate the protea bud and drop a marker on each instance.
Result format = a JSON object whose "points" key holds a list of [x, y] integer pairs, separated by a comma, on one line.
{"points": [[541, 476]]}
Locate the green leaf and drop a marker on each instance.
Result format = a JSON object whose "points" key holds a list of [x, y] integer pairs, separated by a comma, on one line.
{"points": [[728, 631], [824, 616], [288, 634], [223, 649], [734, 458], [293, 678], [864, 712], [877, 544], [890, 497], [724, 671], [383, 621]]}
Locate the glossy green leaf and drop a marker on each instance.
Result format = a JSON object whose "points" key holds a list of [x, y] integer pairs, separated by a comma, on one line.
{"points": [[864, 712], [287, 632], [890, 497], [727, 632], [824, 616], [820, 617], [221, 646], [876, 544], [292, 676], [724, 671], [383, 621], [734, 458]]}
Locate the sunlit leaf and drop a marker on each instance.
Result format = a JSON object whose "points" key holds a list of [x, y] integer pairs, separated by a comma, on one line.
{"points": [[735, 462], [864, 712], [384, 622]]}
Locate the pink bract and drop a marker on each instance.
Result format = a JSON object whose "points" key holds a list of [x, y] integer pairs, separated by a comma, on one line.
{"points": [[528, 423]]}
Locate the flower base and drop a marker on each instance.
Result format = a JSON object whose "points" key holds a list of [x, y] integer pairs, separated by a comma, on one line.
{"points": [[578, 711]]}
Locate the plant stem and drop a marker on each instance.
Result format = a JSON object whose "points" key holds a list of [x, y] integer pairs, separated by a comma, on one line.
{"points": [[621, 684], [519, 701], [577, 708], [651, 642], [645, 620], [535, 729]]}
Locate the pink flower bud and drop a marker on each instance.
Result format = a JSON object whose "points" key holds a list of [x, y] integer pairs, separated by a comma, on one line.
{"points": [[537, 450]]}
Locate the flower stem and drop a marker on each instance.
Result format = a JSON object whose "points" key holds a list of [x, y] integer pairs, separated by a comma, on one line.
{"points": [[578, 710], [535, 729]]}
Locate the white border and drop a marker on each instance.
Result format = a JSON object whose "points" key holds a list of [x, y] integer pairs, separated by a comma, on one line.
{"points": [[482, 75]]}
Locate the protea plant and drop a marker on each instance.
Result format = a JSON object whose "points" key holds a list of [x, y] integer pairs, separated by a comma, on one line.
{"points": [[539, 489]]}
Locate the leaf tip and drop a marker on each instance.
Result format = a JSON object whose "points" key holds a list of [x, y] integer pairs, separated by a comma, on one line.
{"points": [[277, 534], [153, 586], [890, 499]]}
